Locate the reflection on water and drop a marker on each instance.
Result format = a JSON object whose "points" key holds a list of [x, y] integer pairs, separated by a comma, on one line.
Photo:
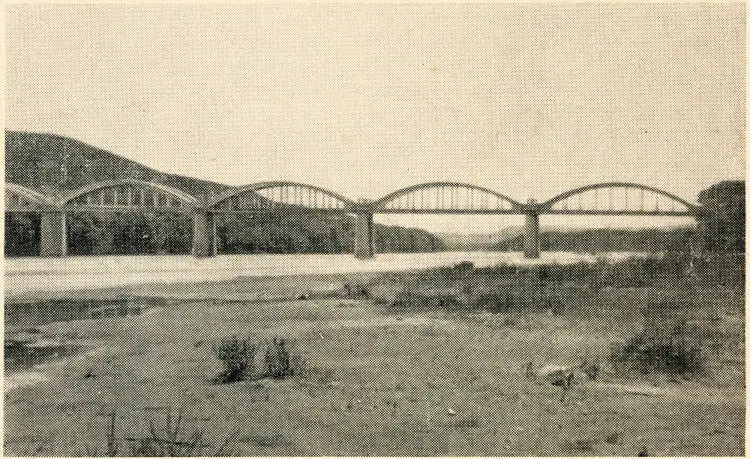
{"points": [[23, 355], [28, 313], [25, 345]]}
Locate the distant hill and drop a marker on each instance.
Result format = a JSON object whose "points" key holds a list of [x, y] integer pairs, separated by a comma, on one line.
{"points": [[606, 240], [571, 239], [484, 241], [54, 165], [478, 241]]}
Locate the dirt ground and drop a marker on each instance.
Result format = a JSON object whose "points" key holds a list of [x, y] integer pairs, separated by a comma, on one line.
{"points": [[376, 382]]}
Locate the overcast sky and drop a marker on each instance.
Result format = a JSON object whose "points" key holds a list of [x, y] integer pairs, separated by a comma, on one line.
{"points": [[529, 100]]}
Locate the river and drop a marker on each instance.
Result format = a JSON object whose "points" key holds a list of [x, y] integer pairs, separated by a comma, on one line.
{"points": [[28, 275]]}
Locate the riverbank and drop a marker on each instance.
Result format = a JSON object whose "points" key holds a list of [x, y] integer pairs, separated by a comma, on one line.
{"points": [[377, 380]]}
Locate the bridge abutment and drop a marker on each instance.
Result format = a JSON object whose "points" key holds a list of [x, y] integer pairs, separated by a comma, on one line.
{"points": [[204, 234], [364, 240], [53, 234], [531, 234]]}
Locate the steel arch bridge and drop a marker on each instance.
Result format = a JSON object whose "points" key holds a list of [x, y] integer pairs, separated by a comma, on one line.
{"points": [[130, 195]]}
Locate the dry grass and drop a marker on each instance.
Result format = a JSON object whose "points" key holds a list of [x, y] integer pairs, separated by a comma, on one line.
{"points": [[384, 383]]}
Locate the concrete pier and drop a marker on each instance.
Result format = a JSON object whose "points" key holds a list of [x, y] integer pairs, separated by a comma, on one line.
{"points": [[204, 234], [531, 247], [364, 237], [53, 234]]}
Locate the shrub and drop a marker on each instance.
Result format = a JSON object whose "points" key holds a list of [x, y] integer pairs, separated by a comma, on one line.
{"points": [[238, 357], [464, 266], [279, 364], [661, 350]]}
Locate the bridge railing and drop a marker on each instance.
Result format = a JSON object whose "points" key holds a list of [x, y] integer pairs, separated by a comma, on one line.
{"points": [[272, 196], [446, 197]]}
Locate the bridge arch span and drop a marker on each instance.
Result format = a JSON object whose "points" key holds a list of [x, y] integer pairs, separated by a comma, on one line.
{"points": [[18, 198], [448, 197], [280, 194], [637, 204], [127, 194]]}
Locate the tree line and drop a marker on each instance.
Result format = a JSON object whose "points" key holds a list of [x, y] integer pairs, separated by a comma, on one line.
{"points": [[720, 228], [154, 233]]}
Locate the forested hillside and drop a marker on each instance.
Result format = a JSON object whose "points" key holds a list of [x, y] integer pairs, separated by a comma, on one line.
{"points": [[606, 240], [53, 164]]}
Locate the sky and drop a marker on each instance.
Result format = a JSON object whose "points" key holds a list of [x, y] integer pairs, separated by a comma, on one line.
{"points": [[529, 100]]}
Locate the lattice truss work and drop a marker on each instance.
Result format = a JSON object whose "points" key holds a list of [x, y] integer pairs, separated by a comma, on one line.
{"points": [[446, 197], [283, 196], [125, 196], [620, 199]]}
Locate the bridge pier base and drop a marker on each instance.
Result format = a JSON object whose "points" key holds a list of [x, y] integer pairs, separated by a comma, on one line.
{"points": [[204, 234], [53, 234], [531, 247], [364, 241]]}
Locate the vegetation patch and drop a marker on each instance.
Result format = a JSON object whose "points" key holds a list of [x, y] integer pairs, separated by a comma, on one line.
{"points": [[239, 359], [672, 351], [171, 439], [279, 363]]}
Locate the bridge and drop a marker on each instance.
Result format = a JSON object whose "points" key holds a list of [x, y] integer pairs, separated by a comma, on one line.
{"points": [[129, 195]]}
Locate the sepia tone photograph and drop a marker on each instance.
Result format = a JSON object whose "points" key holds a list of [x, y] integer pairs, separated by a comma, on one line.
{"points": [[510, 229]]}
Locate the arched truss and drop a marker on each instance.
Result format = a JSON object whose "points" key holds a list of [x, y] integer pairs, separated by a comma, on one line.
{"points": [[617, 198], [446, 197], [270, 196], [21, 199], [129, 194]]}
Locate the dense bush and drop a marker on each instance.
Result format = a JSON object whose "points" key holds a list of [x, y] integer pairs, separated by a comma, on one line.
{"points": [[150, 233], [664, 269], [279, 364], [721, 222], [597, 240], [238, 358], [669, 351], [21, 234]]}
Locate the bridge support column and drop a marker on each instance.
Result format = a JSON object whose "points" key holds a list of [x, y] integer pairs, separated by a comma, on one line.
{"points": [[204, 234], [364, 240], [531, 235], [53, 234]]}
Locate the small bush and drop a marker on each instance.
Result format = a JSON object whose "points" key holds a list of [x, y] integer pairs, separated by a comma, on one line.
{"points": [[464, 266], [238, 357], [279, 364], [659, 350]]}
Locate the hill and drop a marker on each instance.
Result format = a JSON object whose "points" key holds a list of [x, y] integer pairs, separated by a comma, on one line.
{"points": [[485, 241], [606, 239], [54, 164], [477, 241]]}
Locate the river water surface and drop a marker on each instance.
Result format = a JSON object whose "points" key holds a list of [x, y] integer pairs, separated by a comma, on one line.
{"points": [[28, 275]]}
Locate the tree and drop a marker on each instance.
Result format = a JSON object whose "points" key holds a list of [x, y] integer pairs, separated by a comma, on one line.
{"points": [[721, 221]]}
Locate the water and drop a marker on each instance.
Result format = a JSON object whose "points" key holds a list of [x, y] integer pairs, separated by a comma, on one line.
{"points": [[26, 313], [21, 356], [28, 275]]}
